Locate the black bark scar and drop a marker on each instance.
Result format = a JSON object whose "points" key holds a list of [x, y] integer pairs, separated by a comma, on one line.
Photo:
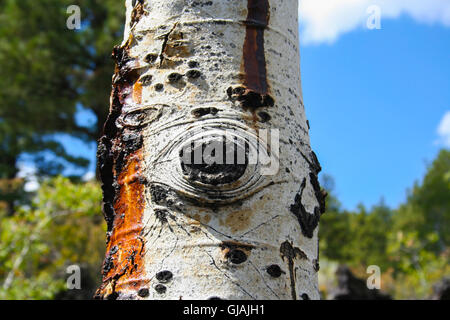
{"points": [[308, 222]]}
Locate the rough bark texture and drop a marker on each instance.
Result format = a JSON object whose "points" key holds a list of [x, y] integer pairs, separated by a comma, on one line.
{"points": [[188, 70]]}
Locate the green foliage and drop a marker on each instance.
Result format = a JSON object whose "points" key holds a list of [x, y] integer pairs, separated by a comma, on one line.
{"points": [[427, 210], [416, 267], [356, 237], [411, 244], [37, 86], [63, 226]]}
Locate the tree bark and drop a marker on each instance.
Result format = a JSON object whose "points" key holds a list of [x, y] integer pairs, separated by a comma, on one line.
{"points": [[192, 76]]}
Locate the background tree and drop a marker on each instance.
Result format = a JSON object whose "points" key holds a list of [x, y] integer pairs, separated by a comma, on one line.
{"points": [[48, 73], [408, 243], [62, 226], [427, 208]]}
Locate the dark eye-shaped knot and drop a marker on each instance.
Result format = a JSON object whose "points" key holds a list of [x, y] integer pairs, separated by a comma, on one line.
{"points": [[215, 161]]}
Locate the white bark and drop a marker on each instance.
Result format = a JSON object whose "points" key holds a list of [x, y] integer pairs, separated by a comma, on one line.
{"points": [[254, 238]]}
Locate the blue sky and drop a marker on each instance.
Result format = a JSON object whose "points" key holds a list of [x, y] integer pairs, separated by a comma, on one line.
{"points": [[374, 98]]}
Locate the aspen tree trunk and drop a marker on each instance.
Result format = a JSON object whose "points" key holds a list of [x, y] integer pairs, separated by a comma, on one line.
{"points": [[192, 77]]}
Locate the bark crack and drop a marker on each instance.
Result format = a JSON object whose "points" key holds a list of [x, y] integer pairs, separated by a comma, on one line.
{"points": [[260, 225]]}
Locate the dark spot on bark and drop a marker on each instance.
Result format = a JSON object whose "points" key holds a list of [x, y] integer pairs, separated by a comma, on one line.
{"points": [[235, 92], [201, 4], [307, 123], [143, 292], [146, 80], [164, 276], [193, 74], [160, 288], [234, 251], [193, 64], [174, 77], [159, 87], [151, 57], [274, 271], [250, 99], [264, 116], [236, 256], [305, 297], [200, 112], [316, 265], [214, 298], [308, 222]]}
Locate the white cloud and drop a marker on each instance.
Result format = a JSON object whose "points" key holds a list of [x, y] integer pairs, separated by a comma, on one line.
{"points": [[444, 130], [326, 20]]}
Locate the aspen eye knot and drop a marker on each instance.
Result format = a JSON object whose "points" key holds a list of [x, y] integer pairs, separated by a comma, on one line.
{"points": [[214, 162]]}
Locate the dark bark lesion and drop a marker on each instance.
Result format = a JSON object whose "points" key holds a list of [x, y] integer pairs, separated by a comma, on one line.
{"points": [[119, 166], [290, 254], [309, 221]]}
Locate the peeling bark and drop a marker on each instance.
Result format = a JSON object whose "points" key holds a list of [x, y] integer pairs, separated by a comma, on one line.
{"points": [[190, 71]]}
